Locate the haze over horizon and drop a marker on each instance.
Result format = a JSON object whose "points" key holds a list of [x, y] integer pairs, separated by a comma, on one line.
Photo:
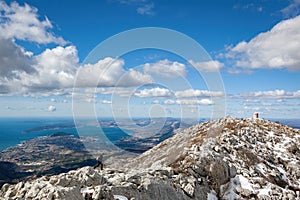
{"points": [[253, 47]]}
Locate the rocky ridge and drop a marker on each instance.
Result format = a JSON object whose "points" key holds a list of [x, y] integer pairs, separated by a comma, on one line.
{"points": [[229, 158]]}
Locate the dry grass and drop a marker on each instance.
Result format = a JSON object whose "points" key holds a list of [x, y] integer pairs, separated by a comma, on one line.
{"points": [[176, 165], [235, 125], [230, 125], [199, 138], [248, 157], [213, 133]]}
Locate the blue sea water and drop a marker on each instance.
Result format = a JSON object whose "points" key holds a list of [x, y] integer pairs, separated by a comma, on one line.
{"points": [[14, 131]]}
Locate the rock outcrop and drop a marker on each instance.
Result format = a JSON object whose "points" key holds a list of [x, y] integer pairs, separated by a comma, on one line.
{"points": [[228, 158]]}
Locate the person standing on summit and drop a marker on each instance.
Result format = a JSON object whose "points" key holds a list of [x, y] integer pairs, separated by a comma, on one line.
{"points": [[99, 162]]}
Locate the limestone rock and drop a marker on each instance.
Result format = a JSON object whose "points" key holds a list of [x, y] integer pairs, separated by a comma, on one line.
{"points": [[228, 158]]}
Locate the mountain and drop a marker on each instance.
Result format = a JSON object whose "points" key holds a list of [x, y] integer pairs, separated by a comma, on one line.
{"points": [[228, 158]]}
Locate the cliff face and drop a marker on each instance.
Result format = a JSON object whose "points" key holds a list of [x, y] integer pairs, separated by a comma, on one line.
{"points": [[228, 158]]}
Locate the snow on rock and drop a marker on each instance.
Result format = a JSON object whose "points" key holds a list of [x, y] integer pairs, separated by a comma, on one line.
{"points": [[120, 197], [228, 158], [212, 195], [265, 192], [245, 188]]}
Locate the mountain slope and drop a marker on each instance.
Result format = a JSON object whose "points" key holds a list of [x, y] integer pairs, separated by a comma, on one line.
{"points": [[228, 158]]}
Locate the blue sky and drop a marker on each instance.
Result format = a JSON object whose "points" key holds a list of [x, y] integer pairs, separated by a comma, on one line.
{"points": [[251, 48]]}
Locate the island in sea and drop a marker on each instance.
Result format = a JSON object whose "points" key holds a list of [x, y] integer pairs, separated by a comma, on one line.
{"points": [[51, 147]]}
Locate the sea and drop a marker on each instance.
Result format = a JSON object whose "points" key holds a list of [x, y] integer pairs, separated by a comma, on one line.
{"points": [[14, 131]]}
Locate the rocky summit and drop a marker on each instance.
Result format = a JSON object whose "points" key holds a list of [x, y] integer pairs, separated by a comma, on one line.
{"points": [[229, 158]]}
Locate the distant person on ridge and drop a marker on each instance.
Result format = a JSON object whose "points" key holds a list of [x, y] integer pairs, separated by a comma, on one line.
{"points": [[100, 162]]}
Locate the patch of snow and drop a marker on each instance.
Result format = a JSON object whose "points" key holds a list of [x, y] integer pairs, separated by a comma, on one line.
{"points": [[117, 178], [284, 141], [261, 168], [271, 133], [120, 197], [269, 144], [112, 180], [212, 195], [265, 191], [283, 174], [86, 190], [245, 183]]}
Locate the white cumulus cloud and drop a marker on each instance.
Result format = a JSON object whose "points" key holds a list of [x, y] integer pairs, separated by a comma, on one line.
{"points": [[166, 68], [155, 101], [51, 108], [169, 102], [13, 58], [153, 92], [22, 22], [110, 72], [54, 69], [274, 49], [105, 102], [198, 93], [189, 102], [58, 68], [272, 94], [208, 66], [195, 102]]}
